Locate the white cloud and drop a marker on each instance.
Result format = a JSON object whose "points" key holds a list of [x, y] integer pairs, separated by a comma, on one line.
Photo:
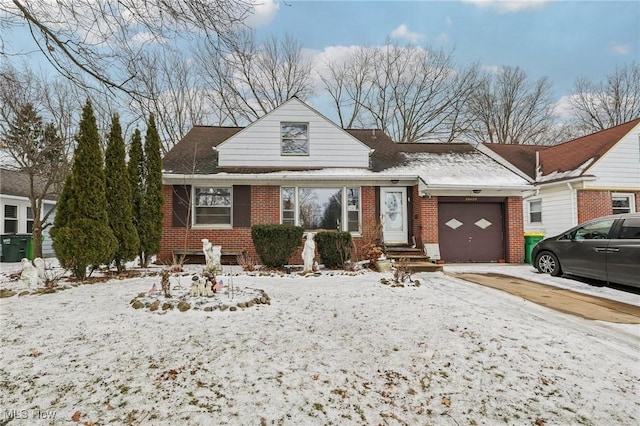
{"points": [[619, 49], [492, 69], [563, 108], [263, 13], [443, 37], [507, 6], [403, 32]]}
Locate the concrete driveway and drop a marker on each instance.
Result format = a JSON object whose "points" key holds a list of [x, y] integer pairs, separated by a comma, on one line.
{"points": [[563, 300]]}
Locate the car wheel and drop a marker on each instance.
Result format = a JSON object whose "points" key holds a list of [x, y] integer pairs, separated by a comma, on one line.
{"points": [[548, 263]]}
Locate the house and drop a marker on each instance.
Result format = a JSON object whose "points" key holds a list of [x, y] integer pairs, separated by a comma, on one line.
{"points": [[15, 207], [295, 166], [578, 180]]}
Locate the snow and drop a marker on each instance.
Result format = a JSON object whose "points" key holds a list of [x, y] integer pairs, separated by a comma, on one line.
{"points": [[472, 169], [329, 349]]}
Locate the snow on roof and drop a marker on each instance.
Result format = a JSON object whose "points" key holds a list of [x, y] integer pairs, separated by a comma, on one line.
{"points": [[460, 169], [556, 175]]}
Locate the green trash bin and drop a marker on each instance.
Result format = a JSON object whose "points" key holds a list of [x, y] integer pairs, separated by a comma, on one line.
{"points": [[530, 241], [30, 247], [14, 247]]}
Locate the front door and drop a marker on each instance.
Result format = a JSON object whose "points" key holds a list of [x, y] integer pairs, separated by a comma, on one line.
{"points": [[393, 208]]}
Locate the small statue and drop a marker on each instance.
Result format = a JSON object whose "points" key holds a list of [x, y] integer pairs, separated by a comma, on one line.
{"points": [[30, 275], [309, 252], [212, 255]]}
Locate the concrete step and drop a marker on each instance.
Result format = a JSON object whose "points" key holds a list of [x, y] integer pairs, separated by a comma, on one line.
{"points": [[415, 267]]}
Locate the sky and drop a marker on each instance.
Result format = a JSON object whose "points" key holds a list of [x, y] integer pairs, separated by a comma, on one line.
{"points": [[562, 40], [337, 348]]}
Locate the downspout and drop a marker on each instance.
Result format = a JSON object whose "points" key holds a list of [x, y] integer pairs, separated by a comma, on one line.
{"points": [[574, 204]]}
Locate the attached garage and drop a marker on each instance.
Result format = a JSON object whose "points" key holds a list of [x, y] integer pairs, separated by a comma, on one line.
{"points": [[471, 229]]}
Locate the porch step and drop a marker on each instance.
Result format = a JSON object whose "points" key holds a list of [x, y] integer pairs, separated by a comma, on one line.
{"points": [[415, 267], [414, 259]]}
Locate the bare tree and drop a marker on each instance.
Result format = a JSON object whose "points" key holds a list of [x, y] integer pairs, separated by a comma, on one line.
{"points": [[601, 105], [35, 149], [254, 78], [414, 94], [177, 94], [103, 40], [348, 83], [509, 108]]}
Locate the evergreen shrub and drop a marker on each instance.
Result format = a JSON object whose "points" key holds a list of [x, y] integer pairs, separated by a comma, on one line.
{"points": [[334, 248], [276, 243]]}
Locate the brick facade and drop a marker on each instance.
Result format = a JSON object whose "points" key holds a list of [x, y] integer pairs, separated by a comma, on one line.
{"points": [[593, 203], [514, 230], [265, 208]]}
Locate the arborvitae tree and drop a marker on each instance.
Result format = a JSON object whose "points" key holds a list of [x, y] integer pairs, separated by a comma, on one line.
{"points": [[119, 207], [152, 212], [81, 233], [135, 171]]}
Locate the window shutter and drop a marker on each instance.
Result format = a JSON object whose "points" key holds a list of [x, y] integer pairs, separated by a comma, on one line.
{"points": [[241, 206], [181, 202]]}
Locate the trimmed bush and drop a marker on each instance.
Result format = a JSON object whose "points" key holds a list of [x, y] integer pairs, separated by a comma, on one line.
{"points": [[276, 243], [334, 248]]}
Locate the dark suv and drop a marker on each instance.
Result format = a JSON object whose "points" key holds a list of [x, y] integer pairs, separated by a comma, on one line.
{"points": [[606, 249]]}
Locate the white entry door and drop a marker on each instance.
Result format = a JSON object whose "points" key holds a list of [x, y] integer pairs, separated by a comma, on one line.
{"points": [[393, 209]]}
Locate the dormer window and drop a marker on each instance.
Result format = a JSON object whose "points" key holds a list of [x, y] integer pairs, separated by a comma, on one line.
{"points": [[295, 138]]}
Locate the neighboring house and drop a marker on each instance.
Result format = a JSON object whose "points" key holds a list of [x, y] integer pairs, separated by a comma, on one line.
{"points": [[15, 208], [578, 180], [295, 166]]}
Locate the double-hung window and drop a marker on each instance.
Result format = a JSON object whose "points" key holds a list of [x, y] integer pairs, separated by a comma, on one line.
{"points": [[295, 138], [212, 206], [321, 208], [10, 219], [622, 203], [29, 220], [535, 211]]}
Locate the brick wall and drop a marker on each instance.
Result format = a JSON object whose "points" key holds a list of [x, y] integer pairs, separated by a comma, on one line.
{"points": [[265, 208], [593, 204], [425, 219], [514, 230]]}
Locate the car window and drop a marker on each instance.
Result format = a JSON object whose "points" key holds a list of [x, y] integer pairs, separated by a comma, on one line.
{"points": [[630, 229], [595, 230]]}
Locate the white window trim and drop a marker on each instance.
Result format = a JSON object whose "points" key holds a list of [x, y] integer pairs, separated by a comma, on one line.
{"points": [[529, 202], [630, 196], [209, 226], [295, 154], [343, 223]]}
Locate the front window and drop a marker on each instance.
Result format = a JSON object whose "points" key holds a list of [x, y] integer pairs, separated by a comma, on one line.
{"points": [[535, 211], [10, 219], [622, 203], [321, 208], [295, 138], [212, 206]]}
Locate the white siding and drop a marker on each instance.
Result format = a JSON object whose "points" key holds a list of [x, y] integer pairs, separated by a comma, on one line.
{"points": [[557, 211], [258, 145], [620, 167], [22, 204]]}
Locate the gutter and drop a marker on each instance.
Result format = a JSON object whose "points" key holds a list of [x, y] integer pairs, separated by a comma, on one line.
{"points": [[277, 179]]}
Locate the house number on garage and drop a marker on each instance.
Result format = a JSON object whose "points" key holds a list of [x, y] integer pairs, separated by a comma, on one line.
{"points": [[471, 199]]}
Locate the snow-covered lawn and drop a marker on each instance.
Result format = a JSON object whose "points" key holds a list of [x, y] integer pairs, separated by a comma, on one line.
{"points": [[333, 349]]}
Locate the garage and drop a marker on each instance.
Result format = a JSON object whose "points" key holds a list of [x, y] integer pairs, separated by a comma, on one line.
{"points": [[471, 229]]}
